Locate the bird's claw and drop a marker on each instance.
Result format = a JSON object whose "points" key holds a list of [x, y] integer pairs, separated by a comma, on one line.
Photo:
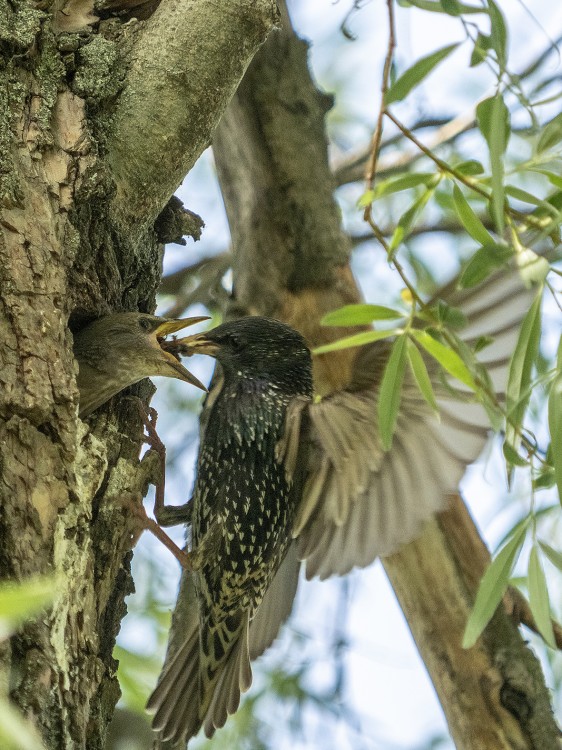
{"points": [[150, 524], [149, 417]]}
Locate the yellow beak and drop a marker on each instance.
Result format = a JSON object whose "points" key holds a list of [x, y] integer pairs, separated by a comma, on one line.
{"points": [[165, 329], [198, 343], [171, 326]]}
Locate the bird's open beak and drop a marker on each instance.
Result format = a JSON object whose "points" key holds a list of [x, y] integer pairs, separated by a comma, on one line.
{"points": [[170, 349], [198, 343], [171, 326]]}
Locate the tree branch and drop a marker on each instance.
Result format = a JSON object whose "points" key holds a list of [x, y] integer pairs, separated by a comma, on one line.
{"points": [[398, 160], [185, 66], [198, 283]]}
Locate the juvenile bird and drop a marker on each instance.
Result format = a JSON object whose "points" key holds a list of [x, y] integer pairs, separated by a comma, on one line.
{"points": [[281, 478], [120, 349]]}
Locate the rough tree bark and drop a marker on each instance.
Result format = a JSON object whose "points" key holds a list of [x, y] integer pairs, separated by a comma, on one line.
{"points": [[291, 262], [101, 117]]}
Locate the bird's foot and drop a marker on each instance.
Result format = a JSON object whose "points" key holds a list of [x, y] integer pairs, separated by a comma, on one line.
{"points": [[145, 522], [166, 515], [149, 418]]}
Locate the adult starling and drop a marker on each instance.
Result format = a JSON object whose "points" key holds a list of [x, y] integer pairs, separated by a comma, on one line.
{"points": [[244, 508], [120, 349], [274, 466]]}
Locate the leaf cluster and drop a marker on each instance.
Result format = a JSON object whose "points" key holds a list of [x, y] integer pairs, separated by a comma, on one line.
{"points": [[508, 211]]}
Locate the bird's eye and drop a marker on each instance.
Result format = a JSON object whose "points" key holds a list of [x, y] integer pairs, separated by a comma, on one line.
{"points": [[145, 324], [236, 341]]}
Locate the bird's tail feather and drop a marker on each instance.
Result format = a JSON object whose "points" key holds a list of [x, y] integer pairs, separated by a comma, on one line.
{"points": [[233, 678], [174, 701], [192, 692]]}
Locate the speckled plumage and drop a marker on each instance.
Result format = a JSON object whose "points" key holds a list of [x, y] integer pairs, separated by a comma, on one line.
{"points": [[244, 507], [353, 500]]}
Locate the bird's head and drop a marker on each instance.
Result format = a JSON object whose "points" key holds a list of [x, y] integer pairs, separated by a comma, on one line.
{"points": [[120, 349], [256, 347]]}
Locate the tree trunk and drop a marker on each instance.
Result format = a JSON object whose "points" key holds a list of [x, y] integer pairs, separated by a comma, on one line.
{"points": [[291, 262], [100, 119]]}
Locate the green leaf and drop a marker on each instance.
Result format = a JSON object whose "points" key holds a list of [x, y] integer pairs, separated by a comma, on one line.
{"points": [[484, 262], [526, 197], [559, 357], [404, 182], [395, 185], [358, 339], [22, 601], [494, 123], [545, 479], [498, 33], [447, 358], [15, 732], [470, 220], [551, 134], [555, 425], [493, 585], [482, 44], [453, 317], [512, 457], [538, 597], [520, 369], [523, 523], [451, 7], [366, 199], [390, 391], [415, 75], [353, 315], [553, 555], [436, 6], [136, 675], [481, 343], [421, 375], [470, 167], [408, 219], [552, 177]]}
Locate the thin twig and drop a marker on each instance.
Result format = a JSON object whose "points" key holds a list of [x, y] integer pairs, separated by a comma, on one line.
{"points": [[450, 226], [555, 295], [460, 177], [395, 262], [443, 166], [351, 167], [199, 283], [173, 282], [377, 135]]}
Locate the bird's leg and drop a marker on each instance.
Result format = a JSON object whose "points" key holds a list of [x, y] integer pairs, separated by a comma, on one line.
{"points": [[166, 515], [160, 509], [184, 558]]}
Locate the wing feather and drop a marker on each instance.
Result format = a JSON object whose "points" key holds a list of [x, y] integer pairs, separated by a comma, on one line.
{"points": [[360, 502], [276, 605]]}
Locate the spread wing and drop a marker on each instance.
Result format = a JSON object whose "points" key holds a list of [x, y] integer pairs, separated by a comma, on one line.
{"points": [[360, 502]]}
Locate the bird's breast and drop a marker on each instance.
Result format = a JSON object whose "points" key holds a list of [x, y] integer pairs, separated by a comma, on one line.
{"points": [[244, 509]]}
